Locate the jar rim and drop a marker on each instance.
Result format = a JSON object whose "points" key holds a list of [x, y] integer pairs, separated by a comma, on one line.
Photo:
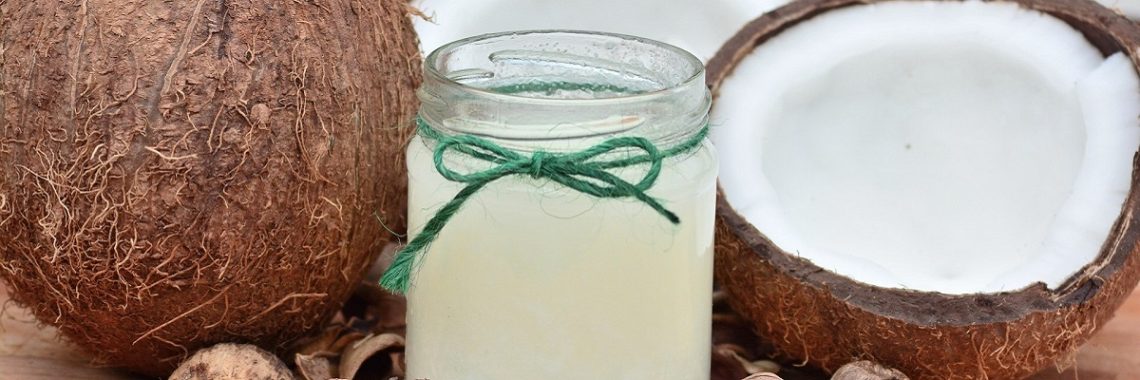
{"points": [[433, 73]]}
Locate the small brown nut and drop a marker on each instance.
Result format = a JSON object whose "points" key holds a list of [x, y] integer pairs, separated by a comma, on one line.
{"points": [[866, 370], [763, 376], [232, 362]]}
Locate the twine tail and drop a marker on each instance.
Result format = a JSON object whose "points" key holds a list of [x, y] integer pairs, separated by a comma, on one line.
{"points": [[398, 277], [657, 206], [626, 189]]}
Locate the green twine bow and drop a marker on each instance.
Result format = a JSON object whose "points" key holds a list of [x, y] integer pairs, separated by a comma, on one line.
{"points": [[583, 171]]}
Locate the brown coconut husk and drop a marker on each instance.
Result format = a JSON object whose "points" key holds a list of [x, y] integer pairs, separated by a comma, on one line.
{"points": [[176, 174], [819, 318]]}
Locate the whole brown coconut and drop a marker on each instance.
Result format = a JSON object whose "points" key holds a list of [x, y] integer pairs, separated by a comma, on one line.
{"points": [[175, 174], [812, 315]]}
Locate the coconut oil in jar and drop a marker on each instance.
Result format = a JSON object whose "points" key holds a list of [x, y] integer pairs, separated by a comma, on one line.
{"points": [[533, 279]]}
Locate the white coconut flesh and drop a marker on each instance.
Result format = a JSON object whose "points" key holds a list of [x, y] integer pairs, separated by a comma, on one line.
{"points": [[699, 26], [956, 147]]}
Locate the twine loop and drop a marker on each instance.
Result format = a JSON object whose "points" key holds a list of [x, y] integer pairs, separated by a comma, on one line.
{"points": [[586, 171]]}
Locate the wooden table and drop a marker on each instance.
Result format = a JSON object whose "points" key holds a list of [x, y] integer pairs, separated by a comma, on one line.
{"points": [[1113, 354], [29, 352]]}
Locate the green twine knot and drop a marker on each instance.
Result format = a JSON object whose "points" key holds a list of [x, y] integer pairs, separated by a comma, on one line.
{"points": [[536, 161], [583, 171]]}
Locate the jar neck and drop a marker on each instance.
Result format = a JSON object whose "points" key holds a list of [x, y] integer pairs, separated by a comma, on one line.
{"points": [[563, 90]]}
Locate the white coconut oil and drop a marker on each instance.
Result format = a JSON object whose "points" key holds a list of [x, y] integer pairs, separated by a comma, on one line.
{"points": [[534, 280]]}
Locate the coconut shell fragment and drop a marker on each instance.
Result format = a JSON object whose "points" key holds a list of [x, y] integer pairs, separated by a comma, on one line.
{"points": [[355, 355], [313, 367], [175, 174], [826, 320]]}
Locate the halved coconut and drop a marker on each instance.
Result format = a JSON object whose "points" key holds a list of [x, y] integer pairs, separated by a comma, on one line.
{"points": [[947, 188], [696, 25]]}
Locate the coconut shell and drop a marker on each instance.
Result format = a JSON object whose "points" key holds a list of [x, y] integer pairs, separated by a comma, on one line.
{"points": [[823, 319], [175, 174]]}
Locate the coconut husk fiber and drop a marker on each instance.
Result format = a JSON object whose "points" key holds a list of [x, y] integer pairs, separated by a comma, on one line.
{"points": [[175, 174]]}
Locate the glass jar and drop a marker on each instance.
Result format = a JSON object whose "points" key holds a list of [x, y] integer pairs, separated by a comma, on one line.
{"points": [[534, 279]]}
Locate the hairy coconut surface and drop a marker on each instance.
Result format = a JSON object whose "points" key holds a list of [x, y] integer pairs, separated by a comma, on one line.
{"points": [[699, 26], [175, 174], [811, 313]]}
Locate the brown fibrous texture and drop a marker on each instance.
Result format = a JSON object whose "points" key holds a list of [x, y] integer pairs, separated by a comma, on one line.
{"points": [[175, 174], [814, 317]]}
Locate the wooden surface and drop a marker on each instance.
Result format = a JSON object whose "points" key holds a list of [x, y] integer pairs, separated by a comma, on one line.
{"points": [[30, 352], [1113, 354]]}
